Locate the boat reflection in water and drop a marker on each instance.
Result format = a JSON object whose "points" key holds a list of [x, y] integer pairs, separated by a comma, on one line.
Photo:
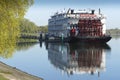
{"points": [[78, 58]]}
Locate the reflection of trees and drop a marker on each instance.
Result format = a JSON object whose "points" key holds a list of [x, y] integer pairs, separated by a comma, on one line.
{"points": [[78, 58], [7, 48], [25, 46]]}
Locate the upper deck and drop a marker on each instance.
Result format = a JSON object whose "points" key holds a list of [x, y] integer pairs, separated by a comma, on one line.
{"points": [[79, 14]]}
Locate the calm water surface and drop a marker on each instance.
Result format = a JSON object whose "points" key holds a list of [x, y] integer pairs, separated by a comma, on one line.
{"points": [[57, 61]]}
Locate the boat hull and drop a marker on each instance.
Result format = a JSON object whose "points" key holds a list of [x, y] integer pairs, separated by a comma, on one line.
{"points": [[74, 39], [102, 39]]}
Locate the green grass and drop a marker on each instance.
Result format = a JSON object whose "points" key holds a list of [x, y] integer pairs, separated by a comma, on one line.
{"points": [[5, 72], [2, 78], [27, 40]]}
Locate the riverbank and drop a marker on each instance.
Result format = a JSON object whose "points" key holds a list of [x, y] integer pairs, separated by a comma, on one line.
{"points": [[12, 73]]}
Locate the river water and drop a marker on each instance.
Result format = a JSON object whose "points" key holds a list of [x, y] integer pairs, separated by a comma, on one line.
{"points": [[63, 61]]}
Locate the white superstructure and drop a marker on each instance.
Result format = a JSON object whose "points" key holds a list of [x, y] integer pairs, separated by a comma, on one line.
{"points": [[60, 23]]}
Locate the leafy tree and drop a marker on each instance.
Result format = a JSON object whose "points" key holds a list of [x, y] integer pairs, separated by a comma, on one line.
{"points": [[43, 28], [27, 26], [11, 12]]}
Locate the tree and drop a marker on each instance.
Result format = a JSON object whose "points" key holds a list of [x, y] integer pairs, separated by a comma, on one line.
{"points": [[43, 28], [11, 12], [27, 26]]}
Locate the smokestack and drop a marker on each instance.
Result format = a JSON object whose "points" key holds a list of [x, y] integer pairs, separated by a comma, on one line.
{"points": [[72, 11], [93, 11], [99, 11]]}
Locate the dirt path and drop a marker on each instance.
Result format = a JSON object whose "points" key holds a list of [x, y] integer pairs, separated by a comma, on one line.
{"points": [[12, 73]]}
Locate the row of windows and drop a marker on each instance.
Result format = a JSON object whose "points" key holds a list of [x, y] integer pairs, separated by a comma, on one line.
{"points": [[56, 28]]}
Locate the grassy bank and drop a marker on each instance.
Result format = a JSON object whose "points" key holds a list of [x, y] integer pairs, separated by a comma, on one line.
{"points": [[27, 37], [22, 40], [12, 73], [3, 78]]}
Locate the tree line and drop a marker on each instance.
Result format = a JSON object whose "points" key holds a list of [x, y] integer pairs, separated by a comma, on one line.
{"points": [[27, 26], [115, 31]]}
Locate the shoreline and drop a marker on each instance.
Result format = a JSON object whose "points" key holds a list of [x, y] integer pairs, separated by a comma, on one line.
{"points": [[12, 73]]}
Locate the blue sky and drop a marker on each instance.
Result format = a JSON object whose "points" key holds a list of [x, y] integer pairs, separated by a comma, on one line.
{"points": [[77, 2], [41, 11]]}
